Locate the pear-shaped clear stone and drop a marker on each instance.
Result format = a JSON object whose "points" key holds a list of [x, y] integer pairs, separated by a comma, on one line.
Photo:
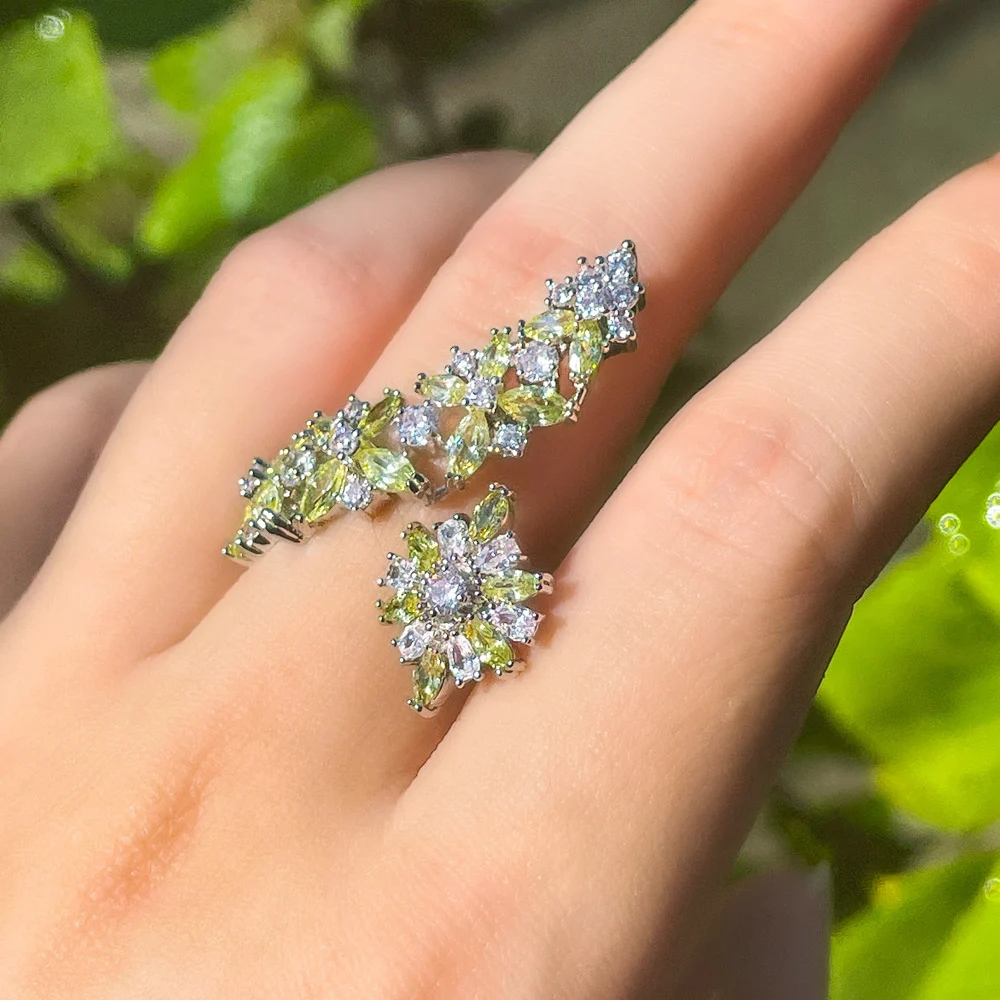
{"points": [[413, 640], [517, 623], [401, 574], [462, 660], [450, 592], [498, 555], [356, 494], [453, 538]]}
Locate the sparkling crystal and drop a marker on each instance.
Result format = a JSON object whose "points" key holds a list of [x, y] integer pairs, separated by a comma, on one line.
{"points": [[498, 555], [621, 296], [489, 515], [620, 326], [296, 466], [481, 393], [422, 547], [462, 660], [354, 410], [551, 327], [385, 470], [536, 405], [469, 446], [993, 516], [401, 609], [356, 494], [586, 351], [268, 496], [322, 489], [510, 439], [537, 362], [344, 437], [562, 295], [591, 286], [517, 623], [401, 574], [453, 538], [413, 640], [448, 390], [428, 678], [622, 266], [418, 425], [489, 645], [381, 414], [512, 587], [494, 359], [450, 591], [463, 364]]}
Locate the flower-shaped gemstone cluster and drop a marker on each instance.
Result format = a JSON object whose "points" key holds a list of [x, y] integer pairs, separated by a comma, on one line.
{"points": [[460, 596], [336, 461]]}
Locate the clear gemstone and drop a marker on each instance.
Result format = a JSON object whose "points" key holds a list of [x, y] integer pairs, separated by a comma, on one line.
{"points": [[621, 296], [453, 538], [993, 516], [481, 393], [462, 660], [298, 466], [464, 364], [620, 326], [413, 640], [517, 623], [401, 574], [354, 410], [510, 440], [418, 425], [590, 293], [537, 362], [450, 591], [622, 266], [344, 437], [356, 494], [497, 555], [562, 295]]}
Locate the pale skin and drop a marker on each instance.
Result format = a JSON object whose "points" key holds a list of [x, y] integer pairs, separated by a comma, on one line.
{"points": [[211, 785]]}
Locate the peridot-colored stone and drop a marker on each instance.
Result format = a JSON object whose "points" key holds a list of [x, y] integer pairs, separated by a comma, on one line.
{"points": [[511, 588], [401, 609], [495, 358], [234, 550], [585, 351], [270, 495], [551, 327], [386, 470], [491, 647], [422, 547], [381, 414], [490, 515], [535, 405], [319, 429], [469, 446], [428, 678], [321, 489], [448, 390]]}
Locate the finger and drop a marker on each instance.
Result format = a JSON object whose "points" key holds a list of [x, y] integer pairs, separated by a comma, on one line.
{"points": [[41, 482], [704, 601], [736, 105], [290, 324]]}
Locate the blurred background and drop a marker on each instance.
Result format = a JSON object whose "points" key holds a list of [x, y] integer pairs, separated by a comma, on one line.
{"points": [[140, 141]]}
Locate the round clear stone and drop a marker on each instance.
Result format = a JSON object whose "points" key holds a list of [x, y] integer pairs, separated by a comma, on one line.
{"points": [[356, 494], [516, 623], [401, 574], [354, 410], [993, 516], [413, 641], [418, 425], [299, 465], [497, 555], [620, 326], [510, 440], [622, 266], [537, 362], [590, 293], [622, 296], [453, 538], [481, 394], [562, 295], [462, 660], [344, 437], [450, 592], [463, 364]]}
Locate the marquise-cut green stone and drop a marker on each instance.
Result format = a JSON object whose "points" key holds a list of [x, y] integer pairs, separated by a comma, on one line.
{"points": [[491, 647], [321, 489], [585, 351], [535, 405], [381, 415], [448, 390], [469, 446], [422, 547], [552, 326], [402, 609], [268, 496], [319, 429], [511, 588], [428, 678], [235, 551], [490, 515], [495, 358], [386, 470]]}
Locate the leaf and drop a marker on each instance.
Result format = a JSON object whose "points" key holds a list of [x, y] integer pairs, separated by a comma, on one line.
{"points": [[916, 678], [331, 33], [30, 274], [244, 139], [931, 935], [55, 108]]}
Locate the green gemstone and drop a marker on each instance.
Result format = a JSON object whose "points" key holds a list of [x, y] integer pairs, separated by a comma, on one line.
{"points": [[235, 551], [585, 351], [491, 647], [386, 470], [535, 405], [490, 515], [469, 446], [495, 358], [428, 678], [551, 327], [319, 429], [381, 415], [402, 609], [448, 390], [512, 588], [321, 489], [268, 496], [422, 547]]}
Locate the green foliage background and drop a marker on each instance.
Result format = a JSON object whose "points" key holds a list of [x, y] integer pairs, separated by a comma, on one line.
{"points": [[111, 224]]}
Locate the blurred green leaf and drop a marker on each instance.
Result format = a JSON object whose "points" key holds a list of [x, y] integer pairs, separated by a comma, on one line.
{"points": [[56, 117], [916, 679], [931, 935], [331, 32], [244, 139], [31, 275]]}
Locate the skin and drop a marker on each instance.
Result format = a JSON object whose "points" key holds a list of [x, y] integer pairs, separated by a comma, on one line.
{"points": [[211, 787]]}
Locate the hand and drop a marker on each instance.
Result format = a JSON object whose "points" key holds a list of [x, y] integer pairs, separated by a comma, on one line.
{"points": [[210, 787]]}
